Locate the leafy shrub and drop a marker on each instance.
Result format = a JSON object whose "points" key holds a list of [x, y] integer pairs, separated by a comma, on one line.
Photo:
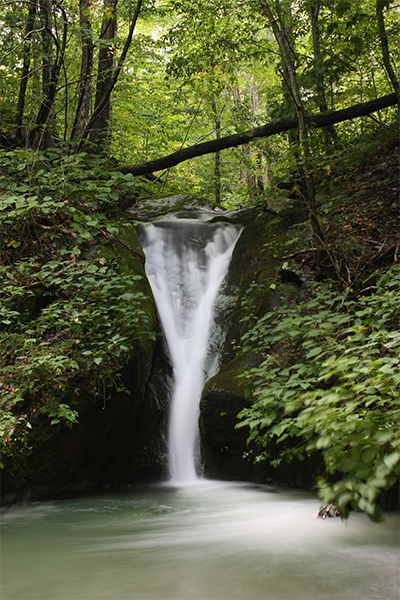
{"points": [[330, 379], [57, 196], [66, 322]]}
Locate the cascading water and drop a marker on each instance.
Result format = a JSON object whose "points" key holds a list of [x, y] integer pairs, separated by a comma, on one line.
{"points": [[186, 261]]}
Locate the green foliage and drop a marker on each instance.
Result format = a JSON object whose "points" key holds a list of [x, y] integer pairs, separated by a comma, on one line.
{"points": [[329, 381], [93, 316], [13, 429], [67, 321], [46, 180], [185, 55]]}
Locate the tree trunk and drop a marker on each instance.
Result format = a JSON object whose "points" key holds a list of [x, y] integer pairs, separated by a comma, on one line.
{"points": [[285, 24], [47, 46], [255, 106], [25, 70], [260, 174], [99, 126], [330, 131], [49, 83], [386, 55], [84, 89], [217, 170], [247, 176], [283, 47]]}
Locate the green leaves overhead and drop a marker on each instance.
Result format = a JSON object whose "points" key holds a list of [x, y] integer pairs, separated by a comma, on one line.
{"points": [[185, 55]]}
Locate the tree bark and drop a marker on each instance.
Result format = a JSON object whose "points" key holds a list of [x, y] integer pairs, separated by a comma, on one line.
{"points": [[85, 80], [232, 141], [25, 70], [102, 107], [386, 55]]}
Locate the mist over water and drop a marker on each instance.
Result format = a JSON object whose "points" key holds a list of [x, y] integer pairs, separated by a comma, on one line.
{"points": [[205, 541], [186, 261]]}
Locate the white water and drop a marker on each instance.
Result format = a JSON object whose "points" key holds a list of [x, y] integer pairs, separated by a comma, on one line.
{"points": [[206, 541], [186, 261]]}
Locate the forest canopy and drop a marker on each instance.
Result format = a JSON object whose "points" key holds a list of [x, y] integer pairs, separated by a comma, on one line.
{"points": [[141, 80]]}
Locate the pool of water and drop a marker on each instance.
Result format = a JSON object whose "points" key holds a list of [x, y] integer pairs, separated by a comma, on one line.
{"points": [[205, 541]]}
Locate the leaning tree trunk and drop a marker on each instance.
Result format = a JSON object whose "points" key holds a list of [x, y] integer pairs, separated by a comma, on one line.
{"points": [[264, 131], [84, 89]]}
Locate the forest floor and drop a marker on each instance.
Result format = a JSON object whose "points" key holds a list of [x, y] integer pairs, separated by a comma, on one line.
{"points": [[360, 212]]}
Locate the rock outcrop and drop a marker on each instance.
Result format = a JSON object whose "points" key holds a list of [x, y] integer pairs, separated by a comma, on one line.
{"points": [[258, 279]]}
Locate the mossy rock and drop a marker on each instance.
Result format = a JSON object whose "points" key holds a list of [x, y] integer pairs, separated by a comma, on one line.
{"points": [[254, 273], [222, 445], [225, 451]]}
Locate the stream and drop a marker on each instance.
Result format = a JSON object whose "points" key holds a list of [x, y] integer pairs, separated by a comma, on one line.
{"points": [[208, 540]]}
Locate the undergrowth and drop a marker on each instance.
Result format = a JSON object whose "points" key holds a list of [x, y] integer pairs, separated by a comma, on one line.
{"points": [[67, 321], [329, 382]]}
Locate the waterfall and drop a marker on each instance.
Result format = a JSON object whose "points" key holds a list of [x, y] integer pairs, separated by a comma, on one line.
{"points": [[186, 261]]}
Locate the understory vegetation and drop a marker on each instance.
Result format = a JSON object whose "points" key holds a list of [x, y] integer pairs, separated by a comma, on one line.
{"points": [[68, 314], [328, 374], [329, 380]]}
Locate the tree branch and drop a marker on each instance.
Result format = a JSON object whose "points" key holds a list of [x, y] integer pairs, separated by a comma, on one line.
{"points": [[232, 141]]}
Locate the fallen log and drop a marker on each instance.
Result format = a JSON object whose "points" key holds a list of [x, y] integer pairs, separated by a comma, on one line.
{"points": [[232, 141]]}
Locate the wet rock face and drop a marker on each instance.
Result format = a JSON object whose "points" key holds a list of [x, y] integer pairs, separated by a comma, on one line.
{"points": [[116, 442], [224, 448], [257, 280], [222, 445], [174, 207]]}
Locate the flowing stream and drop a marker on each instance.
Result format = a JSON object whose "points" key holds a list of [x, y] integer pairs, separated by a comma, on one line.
{"points": [[192, 538], [186, 261], [205, 541]]}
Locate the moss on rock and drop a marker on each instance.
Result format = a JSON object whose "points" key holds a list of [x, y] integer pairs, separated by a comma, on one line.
{"points": [[259, 278]]}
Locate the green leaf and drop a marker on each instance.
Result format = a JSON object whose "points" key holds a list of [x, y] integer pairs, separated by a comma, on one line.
{"points": [[392, 459]]}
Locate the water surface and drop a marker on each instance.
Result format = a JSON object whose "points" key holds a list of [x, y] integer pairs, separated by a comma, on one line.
{"points": [[205, 541]]}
